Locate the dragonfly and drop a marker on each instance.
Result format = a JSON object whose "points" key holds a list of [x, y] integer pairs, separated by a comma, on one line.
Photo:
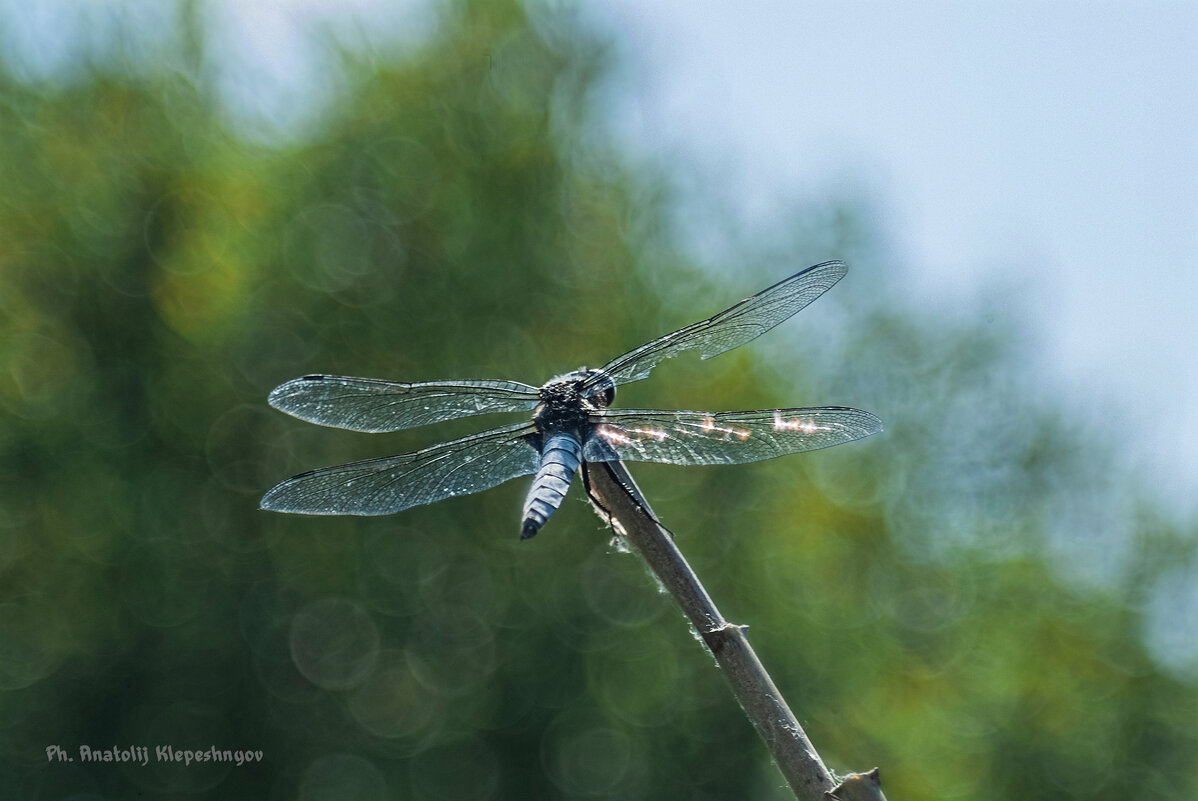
{"points": [[571, 422]]}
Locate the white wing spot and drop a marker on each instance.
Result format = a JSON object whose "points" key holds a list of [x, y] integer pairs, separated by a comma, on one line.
{"points": [[709, 427], [612, 434], [796, 424], [621, 436]]}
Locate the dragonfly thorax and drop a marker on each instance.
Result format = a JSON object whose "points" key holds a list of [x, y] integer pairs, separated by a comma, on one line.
{"points": [[567, 400], [594, 386]]}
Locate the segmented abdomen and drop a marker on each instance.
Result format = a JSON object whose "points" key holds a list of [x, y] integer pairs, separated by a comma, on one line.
{"points": [[559, 462]]}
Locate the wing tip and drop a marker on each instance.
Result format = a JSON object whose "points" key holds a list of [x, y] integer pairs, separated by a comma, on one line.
{"points": [[282, 390], [834, 269], [868, 423], [278, 396], [269, 501], [275, 498]]}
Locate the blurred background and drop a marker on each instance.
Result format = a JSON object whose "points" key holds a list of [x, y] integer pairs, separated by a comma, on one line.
{"points": [[996, 598]]}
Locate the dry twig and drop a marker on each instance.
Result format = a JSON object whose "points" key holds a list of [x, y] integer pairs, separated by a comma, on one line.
{"points": [[617, 498]]}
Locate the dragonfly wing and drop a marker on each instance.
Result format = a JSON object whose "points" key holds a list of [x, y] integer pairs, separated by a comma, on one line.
{"points": [[394, 483], [370, 404], [693, 438], [732, 327]]}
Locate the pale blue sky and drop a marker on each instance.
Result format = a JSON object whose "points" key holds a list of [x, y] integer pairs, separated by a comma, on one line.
{"points": [[1052, 146]]}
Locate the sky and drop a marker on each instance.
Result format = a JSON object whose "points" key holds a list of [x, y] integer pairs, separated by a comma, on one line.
{"points": [[1048, 151]]}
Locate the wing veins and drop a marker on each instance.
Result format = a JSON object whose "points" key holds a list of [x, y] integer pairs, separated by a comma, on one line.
{"points": [[686, 437], [423, 469], [306, 493], [740, 323], [376, 405]]}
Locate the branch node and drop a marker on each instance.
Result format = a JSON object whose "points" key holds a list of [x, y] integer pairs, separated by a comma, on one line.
{"points": [[858, 787]]}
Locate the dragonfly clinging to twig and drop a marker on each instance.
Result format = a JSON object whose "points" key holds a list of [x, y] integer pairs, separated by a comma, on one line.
{"points": [[572, 421]]}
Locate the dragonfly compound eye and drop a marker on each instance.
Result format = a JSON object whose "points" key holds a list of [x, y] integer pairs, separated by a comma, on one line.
{"points": [[604, 390]]}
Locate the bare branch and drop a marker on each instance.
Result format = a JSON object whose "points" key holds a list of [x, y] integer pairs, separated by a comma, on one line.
{"points": [[618, 499]]}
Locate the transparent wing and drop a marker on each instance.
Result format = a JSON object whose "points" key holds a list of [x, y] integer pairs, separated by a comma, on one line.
{"points": [[370, 404], [732, 327], [394, 483], [649, 435]]}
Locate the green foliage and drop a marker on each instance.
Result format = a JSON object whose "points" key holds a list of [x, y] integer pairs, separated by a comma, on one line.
{"points": [[454, 218]]}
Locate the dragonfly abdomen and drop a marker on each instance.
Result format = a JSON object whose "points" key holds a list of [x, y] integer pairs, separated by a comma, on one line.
{"points": [[559, 462]]}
